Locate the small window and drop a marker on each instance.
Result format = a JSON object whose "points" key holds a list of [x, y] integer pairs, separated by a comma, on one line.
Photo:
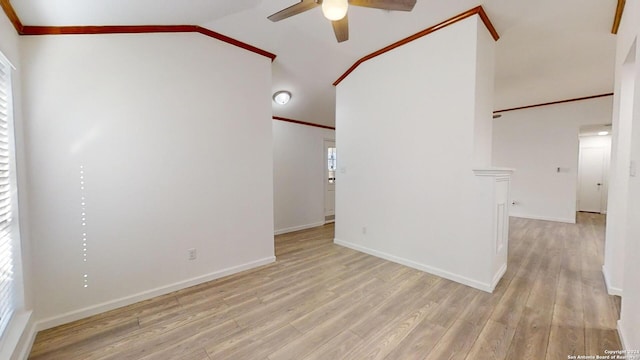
{"points": [[332, 164]]}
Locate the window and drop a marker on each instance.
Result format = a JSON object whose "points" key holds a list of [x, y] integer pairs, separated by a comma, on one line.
{"points": [[331, 166], [7, 286]]}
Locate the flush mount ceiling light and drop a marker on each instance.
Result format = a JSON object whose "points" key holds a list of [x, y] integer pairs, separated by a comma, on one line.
{"points": [[335, 10], [282, 97], [603, 133]]}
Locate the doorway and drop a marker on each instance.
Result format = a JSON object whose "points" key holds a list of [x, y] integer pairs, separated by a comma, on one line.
{"points": [[330, 166], [593, 168]]}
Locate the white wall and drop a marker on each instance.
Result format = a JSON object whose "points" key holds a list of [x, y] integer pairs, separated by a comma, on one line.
{"points": [[173, 135], [406, 123], [298, 168], [616, 234], [622, 247], [604, 143], [537, 141], [20, 332]]}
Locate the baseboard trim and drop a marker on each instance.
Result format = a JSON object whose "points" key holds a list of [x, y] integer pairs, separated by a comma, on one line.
{"points": [[298, 228], [18, 337], [24, 347], [145, 295], [546, 218], [621, 335], [418, 266], [610, 290], [498, 277]]}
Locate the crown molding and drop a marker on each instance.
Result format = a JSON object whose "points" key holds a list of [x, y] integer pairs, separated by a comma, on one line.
{"points": [[27, 30], [554, 102], [302, 123], [618, 16], [478, 10], [11, 14]]}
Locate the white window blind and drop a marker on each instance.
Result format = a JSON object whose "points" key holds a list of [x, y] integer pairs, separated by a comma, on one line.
{"points": [[6, 253]]}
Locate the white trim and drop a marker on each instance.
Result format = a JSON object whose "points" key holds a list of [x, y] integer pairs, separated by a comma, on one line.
{"points": [[329, 221], [325, 175], [298, 228], [498, 277], [545, 218], [610, 290], [418, 266], [6, 59], [24, 348], [14, 341], [621, 335], [493, 171], [145, 295]]}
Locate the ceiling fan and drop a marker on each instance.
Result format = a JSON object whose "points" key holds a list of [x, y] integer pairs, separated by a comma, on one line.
{"points": [[336, 11]]}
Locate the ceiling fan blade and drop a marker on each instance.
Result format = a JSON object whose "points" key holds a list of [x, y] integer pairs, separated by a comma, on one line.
{"points": [[341, 29], [296, 9], [398, 5]]}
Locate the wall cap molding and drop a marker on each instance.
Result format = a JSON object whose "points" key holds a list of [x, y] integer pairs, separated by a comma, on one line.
{"points": [[478, 10]]}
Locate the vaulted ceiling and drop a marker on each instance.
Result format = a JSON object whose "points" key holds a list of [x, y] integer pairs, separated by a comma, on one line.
{"points": [[549, 50]]}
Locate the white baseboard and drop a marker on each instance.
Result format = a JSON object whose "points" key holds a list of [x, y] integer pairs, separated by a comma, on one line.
{"points": [[610, 290], [145, 295], [545, 218], [19, 336], [24, 347], [298, 228], [498, 277], [422, 267], [621, 335]]}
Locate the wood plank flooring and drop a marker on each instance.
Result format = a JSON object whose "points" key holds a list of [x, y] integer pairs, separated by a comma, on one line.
{"points": [[323, 301]]}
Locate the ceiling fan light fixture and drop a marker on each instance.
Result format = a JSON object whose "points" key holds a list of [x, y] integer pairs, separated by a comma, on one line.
{"points": [[282, 97], [335, 10]]}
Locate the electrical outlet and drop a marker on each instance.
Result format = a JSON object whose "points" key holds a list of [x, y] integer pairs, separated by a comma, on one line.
{"points": [[193, 254], [364, 230]]}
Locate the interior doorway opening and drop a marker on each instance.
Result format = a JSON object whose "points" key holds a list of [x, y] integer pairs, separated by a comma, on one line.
{"points": [[593, 168], [330, 169]]}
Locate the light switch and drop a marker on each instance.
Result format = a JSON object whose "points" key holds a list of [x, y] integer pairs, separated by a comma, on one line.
{"points": [[632, 168]]}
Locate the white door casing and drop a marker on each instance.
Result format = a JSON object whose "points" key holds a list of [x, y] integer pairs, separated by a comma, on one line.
{"points": [[330, 170]]}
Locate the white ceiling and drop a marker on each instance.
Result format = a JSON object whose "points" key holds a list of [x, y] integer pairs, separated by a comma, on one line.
{"points": [[549, 50]]}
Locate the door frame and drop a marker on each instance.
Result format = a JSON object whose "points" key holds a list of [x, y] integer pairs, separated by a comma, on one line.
{"points": [[325, 172], [606, 163]]}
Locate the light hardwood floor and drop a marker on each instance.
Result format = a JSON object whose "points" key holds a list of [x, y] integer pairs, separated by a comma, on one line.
{"points": [[322, 301]]}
